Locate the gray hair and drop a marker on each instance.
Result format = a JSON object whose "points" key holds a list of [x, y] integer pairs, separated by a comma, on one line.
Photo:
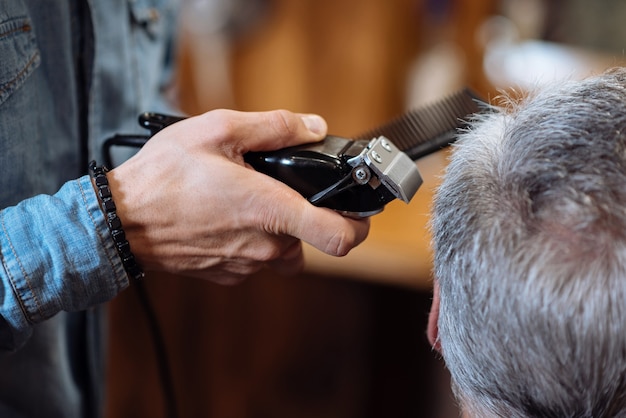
{"points": [[529, 233]]}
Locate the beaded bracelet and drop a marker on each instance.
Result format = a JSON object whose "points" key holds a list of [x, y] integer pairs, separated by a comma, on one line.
{"points": [[114, 223]]}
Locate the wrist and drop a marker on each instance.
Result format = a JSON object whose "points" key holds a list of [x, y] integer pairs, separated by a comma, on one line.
{"points": [[114, 223]]}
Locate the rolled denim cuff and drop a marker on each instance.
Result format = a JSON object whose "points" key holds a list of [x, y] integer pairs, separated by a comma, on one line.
{"points": [[57, 255]]}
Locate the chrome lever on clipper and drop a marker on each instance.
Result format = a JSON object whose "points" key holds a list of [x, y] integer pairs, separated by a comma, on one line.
{"points": [[393, 168]]}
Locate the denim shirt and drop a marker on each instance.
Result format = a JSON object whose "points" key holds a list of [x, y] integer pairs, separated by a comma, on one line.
{"points": [[72, 73]]}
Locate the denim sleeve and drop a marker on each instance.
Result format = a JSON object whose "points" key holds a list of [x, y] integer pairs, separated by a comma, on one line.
{"points": [[56, 255]]}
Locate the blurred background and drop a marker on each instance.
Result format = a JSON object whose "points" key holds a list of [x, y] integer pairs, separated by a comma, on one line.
{"points": [[346, 338]]}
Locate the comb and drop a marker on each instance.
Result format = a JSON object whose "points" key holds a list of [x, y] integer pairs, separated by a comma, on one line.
{"points": [[427, 129]]}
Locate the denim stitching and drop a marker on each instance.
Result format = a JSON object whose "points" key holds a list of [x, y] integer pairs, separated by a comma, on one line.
{"points": [[24, 28], [15, 80], [12, 280]]}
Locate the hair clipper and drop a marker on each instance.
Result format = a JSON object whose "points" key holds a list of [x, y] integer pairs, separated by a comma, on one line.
{"points": [[358, 177]]}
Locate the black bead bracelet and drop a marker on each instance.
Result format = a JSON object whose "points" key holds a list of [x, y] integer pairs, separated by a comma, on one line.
{"points": [[114, 223]]}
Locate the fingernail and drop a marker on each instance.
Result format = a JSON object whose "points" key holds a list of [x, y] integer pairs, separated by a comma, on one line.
{"points": [[315, 124]]}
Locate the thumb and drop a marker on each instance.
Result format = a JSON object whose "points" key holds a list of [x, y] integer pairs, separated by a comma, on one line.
{"points": [[267, 131], [325, 229]]}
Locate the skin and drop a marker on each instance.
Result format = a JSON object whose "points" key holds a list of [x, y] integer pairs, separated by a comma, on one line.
{"points": [[432, 330], [190, 205]]}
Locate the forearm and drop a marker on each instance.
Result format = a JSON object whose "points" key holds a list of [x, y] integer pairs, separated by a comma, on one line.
{"points": [[56, 254]]}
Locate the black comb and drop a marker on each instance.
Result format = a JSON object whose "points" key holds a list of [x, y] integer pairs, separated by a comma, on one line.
{"points": [[427, 129]]}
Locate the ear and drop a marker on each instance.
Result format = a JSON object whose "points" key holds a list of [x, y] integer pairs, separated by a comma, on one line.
{"points": [[433, 318]]}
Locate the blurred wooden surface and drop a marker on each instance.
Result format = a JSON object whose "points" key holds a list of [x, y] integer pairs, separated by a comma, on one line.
{"points": [[346, 338]]}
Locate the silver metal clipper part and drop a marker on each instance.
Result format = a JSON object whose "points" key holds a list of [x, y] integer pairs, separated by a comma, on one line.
{"points": [[392, 167]]}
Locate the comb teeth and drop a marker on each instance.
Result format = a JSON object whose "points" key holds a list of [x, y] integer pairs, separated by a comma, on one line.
{"points": [[425, 130]]}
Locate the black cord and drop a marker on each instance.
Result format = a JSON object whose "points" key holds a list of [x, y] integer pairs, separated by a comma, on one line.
{"points": [[135, 141], [163, 364]]}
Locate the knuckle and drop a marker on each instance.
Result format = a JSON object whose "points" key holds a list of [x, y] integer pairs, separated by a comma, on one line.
{"points": [[347, 237], [222, 123], [283, 123], [235, 273], [251, 268], [269, 252], [340, 244]]}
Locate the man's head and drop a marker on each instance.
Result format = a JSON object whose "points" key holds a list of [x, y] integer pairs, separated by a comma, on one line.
{"points": [[529, 229]]}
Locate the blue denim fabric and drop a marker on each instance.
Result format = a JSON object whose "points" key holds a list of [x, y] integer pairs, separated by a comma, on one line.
{"points": [[72, 72], [62, 259]]}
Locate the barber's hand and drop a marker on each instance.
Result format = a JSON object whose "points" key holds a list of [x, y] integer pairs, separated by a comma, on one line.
{"points": [[189, 204]]}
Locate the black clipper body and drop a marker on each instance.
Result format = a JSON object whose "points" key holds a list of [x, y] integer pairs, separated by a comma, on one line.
{"points": [[354, 177]]}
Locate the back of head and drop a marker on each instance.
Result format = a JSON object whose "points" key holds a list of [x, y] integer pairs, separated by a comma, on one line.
{"points": [[529, 229]]}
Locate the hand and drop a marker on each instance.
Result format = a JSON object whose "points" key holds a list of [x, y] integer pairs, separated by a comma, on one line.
{"points": [[189, 204]]}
